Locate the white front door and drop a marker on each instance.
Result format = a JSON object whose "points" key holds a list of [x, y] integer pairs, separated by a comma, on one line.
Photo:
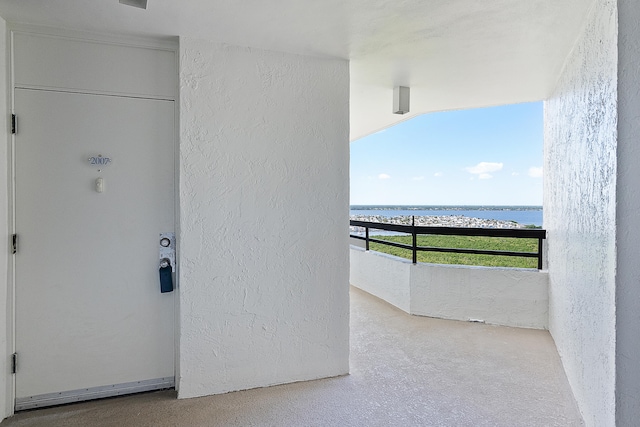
{"points": [[90, 318]]}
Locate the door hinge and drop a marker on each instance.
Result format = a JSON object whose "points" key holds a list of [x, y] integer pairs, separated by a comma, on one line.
{"points": [[14, 124], [14, 363], [14, 244]]}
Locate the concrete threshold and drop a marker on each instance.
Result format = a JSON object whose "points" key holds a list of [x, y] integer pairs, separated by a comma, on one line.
{"points": [[405, 371]]}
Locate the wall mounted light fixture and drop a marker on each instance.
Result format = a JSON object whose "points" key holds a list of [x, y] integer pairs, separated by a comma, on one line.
{"points": [[142, 4], [400, 100]]}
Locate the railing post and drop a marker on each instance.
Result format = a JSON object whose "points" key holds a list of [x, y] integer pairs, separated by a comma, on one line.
{"points": [[540, 253], [366, 233], [415, 239]]}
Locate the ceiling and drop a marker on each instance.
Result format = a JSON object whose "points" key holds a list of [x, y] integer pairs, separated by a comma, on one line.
{"points": [[453, 54]]}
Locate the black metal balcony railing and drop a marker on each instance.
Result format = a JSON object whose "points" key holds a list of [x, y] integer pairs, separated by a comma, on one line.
{"points": [[414, 231]]}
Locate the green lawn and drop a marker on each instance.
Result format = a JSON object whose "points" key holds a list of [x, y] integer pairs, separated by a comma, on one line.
{"points": [[467, 242]]}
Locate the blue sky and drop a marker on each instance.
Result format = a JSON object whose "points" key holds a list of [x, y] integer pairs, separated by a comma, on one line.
{"points": [[486, 156]]}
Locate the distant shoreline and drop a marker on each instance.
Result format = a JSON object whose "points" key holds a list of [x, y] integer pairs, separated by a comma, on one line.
{"points": [[485, 214], [437, 221], [448, 207]]}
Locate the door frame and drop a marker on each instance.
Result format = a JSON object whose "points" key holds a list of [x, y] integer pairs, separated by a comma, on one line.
{"points": [[169, 44]]}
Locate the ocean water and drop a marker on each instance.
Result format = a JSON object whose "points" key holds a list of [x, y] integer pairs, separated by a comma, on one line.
{"points": [[521, 214]]}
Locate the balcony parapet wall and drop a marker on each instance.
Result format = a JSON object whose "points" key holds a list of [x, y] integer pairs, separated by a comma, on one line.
{"points": [[502, 296]]}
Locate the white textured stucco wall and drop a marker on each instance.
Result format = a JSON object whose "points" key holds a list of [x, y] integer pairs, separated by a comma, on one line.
{"points": [[500, 296], [264, 181], [580, 209], [385, 276], [6, 324], [628, 221]]}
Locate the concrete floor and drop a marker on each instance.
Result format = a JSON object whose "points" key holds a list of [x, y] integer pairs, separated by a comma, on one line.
{"points": [[405, 371]]}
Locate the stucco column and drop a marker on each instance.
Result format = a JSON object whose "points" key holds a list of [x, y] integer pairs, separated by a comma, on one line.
{"points": [[628, 217]]}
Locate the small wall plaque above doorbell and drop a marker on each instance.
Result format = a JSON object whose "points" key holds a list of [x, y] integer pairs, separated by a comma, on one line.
{"points": [[99, 160]]}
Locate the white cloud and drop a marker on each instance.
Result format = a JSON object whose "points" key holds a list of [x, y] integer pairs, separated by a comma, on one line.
{"points": [[438, 174], [485, 176], [535, 172], [514, 174], [418, 178], [484, 167], [384, 176]]}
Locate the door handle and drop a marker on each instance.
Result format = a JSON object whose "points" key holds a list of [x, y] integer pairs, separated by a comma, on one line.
{"points": [[166, 276]]}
